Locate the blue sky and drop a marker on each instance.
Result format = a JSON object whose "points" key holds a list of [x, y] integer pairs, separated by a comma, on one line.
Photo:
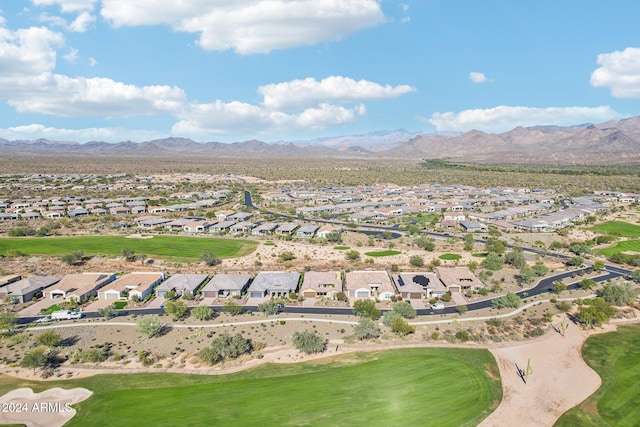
{"points": [[233, 70]]}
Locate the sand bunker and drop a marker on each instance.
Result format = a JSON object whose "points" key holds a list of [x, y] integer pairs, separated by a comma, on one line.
{"points": [[51, 408], [560, 380], [138, 236]]}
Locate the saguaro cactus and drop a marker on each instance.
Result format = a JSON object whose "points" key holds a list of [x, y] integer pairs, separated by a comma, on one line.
{"points": [[528, 371]]}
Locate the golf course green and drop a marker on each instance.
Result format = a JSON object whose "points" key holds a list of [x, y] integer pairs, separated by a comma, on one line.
{"points": [[172, 247], [412, 387], [615, 356]]}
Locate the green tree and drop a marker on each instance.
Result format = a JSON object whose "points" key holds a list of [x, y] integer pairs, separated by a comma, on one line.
{"points": [[509, 300], [366, 308], [232, 308], [142, 258], [526, 275], [426, 243], [463, 336], [389, 317], [49, 338], [556, 245], [596, 313], [365, 329], [515, 259], [308, 342], [149, 326], [472, 265], [404, 309], [286, 256], [73, 258], [587, 284], [558, 287], [635, 275], [107, 312], [226, 347], [462, 309], [7, 321], [619, 294], [177, 309], [209, 258], [493, 262], [579, 249], [495, 245], [34, 359], [598, 265], [352, 255], [416, 260], [334, 237], [576, 261], [269, 308], [128, 254], [540, 269], [401, 327], [563, 306], [202, 312]]}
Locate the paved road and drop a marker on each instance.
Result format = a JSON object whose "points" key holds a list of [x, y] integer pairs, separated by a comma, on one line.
{"points": [[544, 285]]}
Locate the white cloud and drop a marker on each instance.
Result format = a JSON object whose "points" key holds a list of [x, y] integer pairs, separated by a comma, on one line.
{"points": [[405, 10], [72, 56], [309, 92], [27, 52], [251, 26], [67, 6], [28, 83], [82, 22], [92, 62], [504, 118], [79, 25], [80, 97], [219, 118], [111, 134], [620, 72], [477, 77]]}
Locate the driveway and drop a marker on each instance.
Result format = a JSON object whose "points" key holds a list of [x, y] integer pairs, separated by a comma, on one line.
{"points": [[156, 302], [207, 301], [98, 304], [458, 298], [34, 309]]}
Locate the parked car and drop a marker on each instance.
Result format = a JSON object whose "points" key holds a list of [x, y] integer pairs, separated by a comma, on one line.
{"points": [[438, 306]]}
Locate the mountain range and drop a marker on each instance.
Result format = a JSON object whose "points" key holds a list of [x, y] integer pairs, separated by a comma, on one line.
{"points": [[613, 142]]}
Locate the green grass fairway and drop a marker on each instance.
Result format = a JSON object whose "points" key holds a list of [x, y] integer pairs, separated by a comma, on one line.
{"points": [[174, 247], [408, 387], [480, 254], [625, 246], [382, 253], [615, 356], [342, 248], [619, 228], [450, 257]]}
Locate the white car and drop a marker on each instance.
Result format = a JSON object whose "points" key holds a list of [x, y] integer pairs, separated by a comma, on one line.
{"points": [[437, 306]]}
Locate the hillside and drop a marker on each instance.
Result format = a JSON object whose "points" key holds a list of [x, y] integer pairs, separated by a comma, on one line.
{"points": [[610, 142]]}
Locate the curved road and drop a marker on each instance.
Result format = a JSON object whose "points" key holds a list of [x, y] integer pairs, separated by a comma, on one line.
{"points": [[543, 285]]}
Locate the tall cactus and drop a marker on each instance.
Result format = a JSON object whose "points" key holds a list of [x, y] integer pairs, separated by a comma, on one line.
{"points": [[563, 326], [528, 371]]}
